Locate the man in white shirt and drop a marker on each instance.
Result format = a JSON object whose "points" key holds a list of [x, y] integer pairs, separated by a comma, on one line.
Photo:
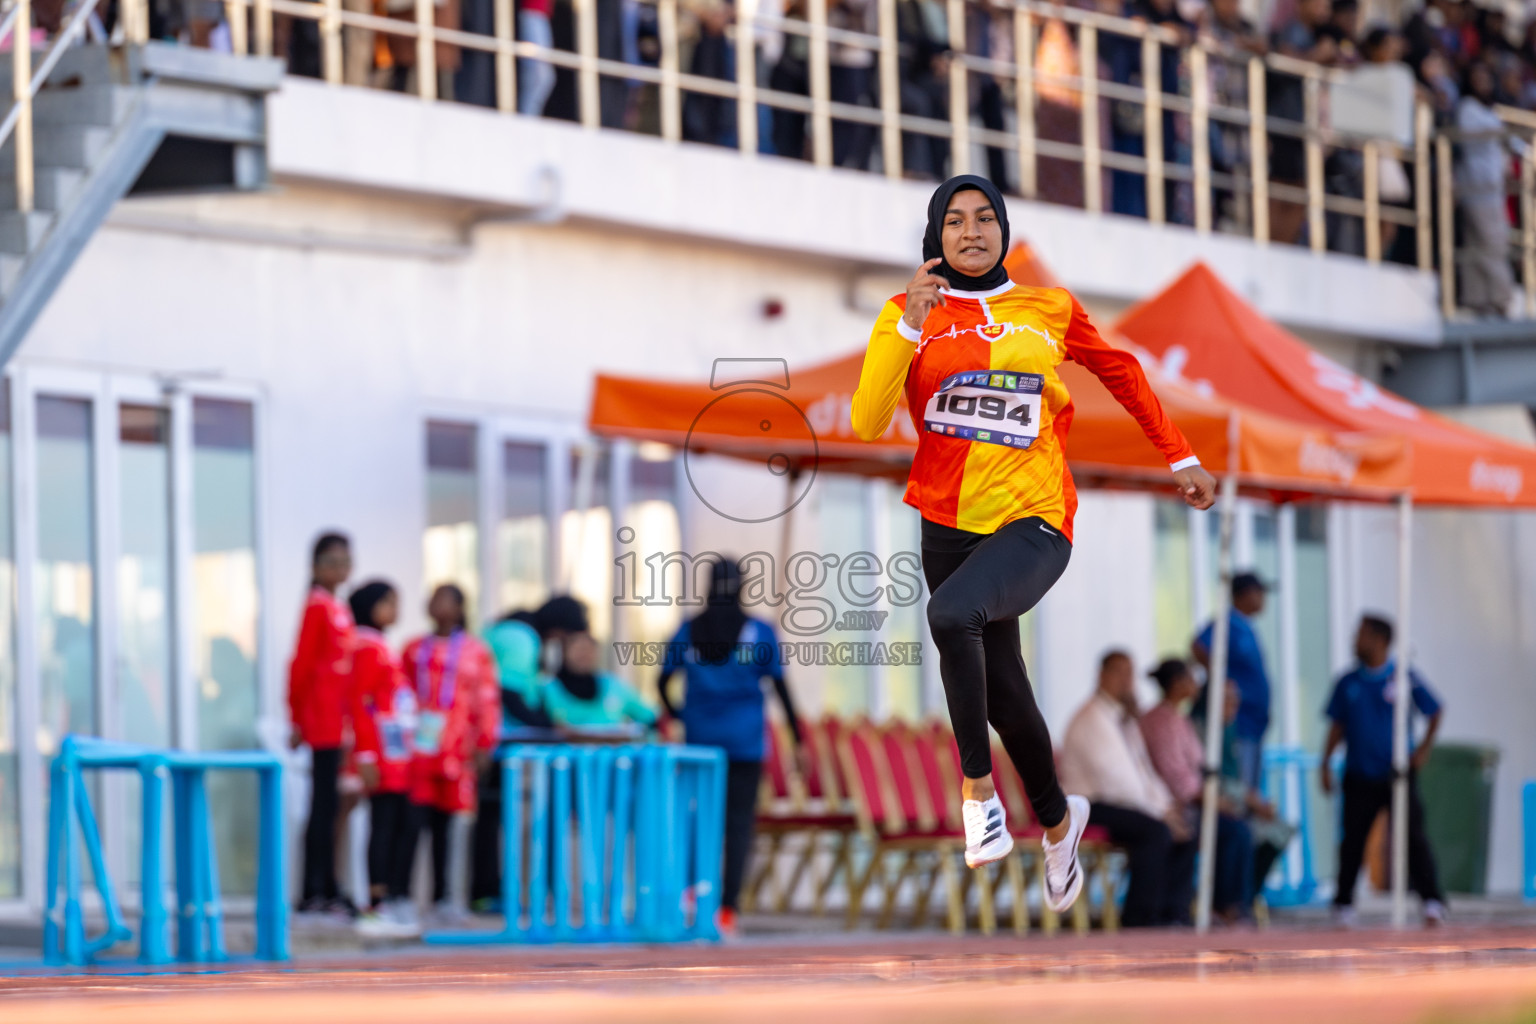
{"points": [[1104, 757]]}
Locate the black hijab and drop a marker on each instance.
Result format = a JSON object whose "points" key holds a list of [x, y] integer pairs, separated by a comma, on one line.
{"points": [[933, 238], [716, 629]]}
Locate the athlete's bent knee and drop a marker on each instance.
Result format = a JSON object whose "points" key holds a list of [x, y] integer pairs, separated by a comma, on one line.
{"points": [[952, 619]]}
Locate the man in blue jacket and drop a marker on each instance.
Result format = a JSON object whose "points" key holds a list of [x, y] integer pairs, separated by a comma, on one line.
{"points": [[1360, 713], [1245, 667]]}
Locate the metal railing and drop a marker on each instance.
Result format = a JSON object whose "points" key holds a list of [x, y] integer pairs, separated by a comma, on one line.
{"points": [[1195, 112], [17, 25]]}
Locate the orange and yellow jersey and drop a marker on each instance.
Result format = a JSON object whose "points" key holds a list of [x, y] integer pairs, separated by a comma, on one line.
{"points": [[991, 412]]}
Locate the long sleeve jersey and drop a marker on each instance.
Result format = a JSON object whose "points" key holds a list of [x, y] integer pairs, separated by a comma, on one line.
{"points": [[320, 674], [383, 711], [991, 412], [470, 711]]}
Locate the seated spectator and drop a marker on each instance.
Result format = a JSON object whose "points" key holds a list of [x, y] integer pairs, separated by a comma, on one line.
{"points": [[1104, 757], [1343, 27], [924, 65], [1301, 37], [708, 118], [582, 696], [1178, 756], [1487, 283], [1360, 713], [515, 643]]}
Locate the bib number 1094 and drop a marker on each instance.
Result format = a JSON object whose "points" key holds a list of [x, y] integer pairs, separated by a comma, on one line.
{"points": [[989, 406]]}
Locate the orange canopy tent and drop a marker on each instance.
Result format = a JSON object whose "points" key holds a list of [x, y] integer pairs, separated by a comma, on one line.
{"points": [[1202, 331], [754, 411]]}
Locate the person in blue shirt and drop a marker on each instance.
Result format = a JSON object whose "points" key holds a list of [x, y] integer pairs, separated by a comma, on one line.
{"points": [[1360, 713], [724, 657], [1245, 667]]}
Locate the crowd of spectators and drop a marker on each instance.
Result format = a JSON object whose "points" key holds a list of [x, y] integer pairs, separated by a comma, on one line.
{"points": [[1464, 60]]}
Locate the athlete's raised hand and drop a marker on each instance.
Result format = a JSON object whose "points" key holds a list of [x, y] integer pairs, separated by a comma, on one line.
{"points": [[1196, 487], [923, 294]]}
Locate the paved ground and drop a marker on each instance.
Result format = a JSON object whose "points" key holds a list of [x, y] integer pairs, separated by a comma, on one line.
{"points": [[1459, 974]]}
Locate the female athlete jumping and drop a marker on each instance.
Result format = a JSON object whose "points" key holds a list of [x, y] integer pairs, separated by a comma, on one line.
{"points": [[977, 355]]}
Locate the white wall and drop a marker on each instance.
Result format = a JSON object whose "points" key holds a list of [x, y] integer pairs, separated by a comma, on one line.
{"points": [[469, 155]]}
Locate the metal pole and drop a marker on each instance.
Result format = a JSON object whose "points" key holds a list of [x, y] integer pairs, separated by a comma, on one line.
{"points": [[1152, 125], [506, 65], [1371, 152], [1317, 226], [671, 90], [1528, 230], [746, 77], [1401, 696], [1258, 149], [588, 101], [959, 92], [1446, 211], [890, 91], [1216, 686], [1024, 54], [234, 13], [1088, 74], [1200, 132], [821, 86], [330, 45], [21, 91], [426, 50], [1423, 130], [263, 19]]}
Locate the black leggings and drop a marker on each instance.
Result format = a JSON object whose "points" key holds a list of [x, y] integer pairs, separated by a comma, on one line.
{"points": [[320, 833], [438, 821], [391, 844], [741, 782], [979, 585]]}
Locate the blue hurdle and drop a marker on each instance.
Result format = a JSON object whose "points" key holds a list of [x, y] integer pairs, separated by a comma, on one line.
{"points": [[199, 910], [650, 829]]}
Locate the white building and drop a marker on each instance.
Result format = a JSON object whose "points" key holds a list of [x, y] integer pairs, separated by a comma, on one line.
{"points": [[399, 341]]}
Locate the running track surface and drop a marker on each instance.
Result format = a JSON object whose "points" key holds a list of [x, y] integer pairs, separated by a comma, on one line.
{"points": [[1279, 977]]}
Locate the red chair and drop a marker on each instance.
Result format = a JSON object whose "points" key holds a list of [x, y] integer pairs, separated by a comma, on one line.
{"points": [[801, 805], [892, 783]]}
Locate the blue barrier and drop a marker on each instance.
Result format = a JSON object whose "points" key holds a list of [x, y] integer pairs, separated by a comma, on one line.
{"points": [[1286, 771], [199, 912], [1528, 802], [649, 832]]}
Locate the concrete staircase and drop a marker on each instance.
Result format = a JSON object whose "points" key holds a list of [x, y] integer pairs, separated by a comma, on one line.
{"points": [[156, 118]]}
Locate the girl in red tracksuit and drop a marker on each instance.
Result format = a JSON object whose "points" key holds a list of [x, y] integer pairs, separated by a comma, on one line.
{"points": [[458, 721], [319, 690], [383, 725]]}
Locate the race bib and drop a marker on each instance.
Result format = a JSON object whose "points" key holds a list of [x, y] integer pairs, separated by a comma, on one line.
{"points": [[429, 732], [991, 406]]}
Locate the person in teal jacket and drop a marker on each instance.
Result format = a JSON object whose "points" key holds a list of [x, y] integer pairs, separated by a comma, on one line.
{"points": [[581, 696]]}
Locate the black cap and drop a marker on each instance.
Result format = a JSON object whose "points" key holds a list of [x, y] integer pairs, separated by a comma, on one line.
{"points": [[1169, 672], [1246, 581], [562, 612]]}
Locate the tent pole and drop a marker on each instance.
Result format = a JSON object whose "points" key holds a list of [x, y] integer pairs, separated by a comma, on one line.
{"points": [[586, 478], [1402, 694], [1215, 687]]}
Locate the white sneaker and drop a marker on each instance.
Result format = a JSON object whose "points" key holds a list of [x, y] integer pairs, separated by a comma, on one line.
{"points": [[1063, 872], [1434, 913], [386, 922], [986, 831], [402, 911], [1346, 917], [447, 914]]}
